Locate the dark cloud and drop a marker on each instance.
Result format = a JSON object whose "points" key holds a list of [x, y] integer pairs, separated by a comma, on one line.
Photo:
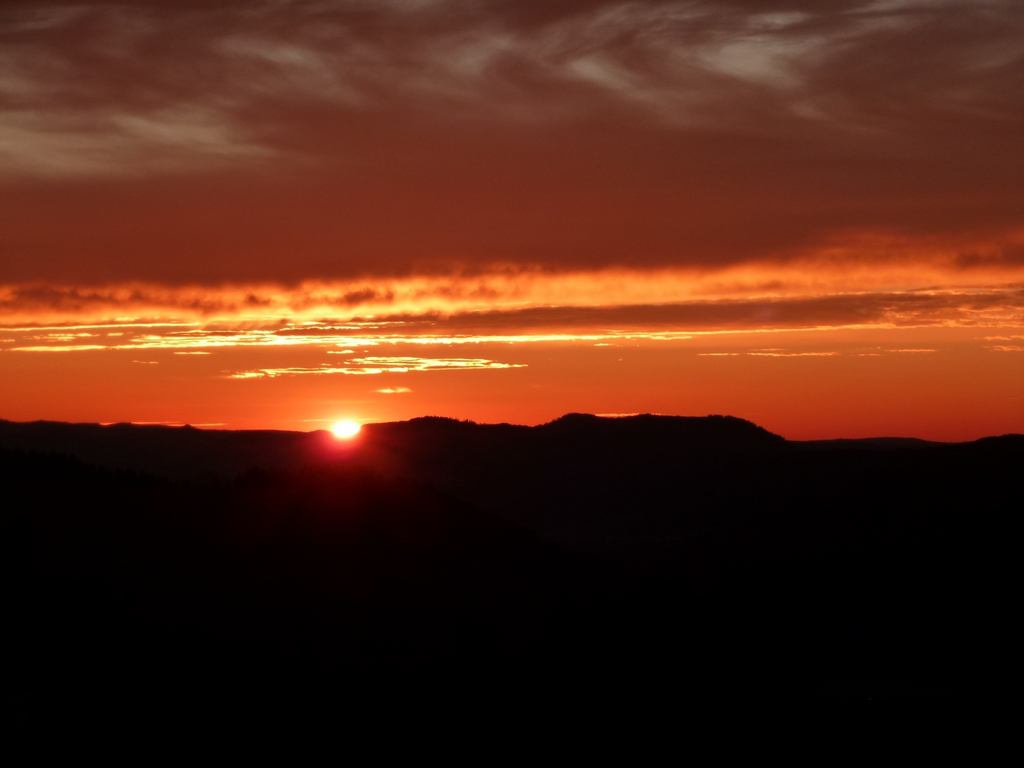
{"points": [[72, 299], [222, 313], [899, 308], [180, 142], [1011, 255]]}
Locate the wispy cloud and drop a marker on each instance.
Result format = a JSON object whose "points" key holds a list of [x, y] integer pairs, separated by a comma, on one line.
{"points": [[370, 303], [177, 139], [373, 366], [1006, 348], [423, 313], [768, 353], [142, 104], [186, 144], [782, 352]]}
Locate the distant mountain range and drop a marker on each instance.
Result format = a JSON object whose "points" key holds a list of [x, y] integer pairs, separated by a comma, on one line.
{"points": [[705, 555], [604, 483], [190, 452]]}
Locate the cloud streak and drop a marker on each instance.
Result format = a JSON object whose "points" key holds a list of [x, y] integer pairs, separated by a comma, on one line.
{"points": [[689, 63], [439, 323], [368, 303], [375, 366]]}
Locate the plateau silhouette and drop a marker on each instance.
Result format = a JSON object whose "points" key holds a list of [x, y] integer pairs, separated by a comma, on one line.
{"points": [[196, 570]]}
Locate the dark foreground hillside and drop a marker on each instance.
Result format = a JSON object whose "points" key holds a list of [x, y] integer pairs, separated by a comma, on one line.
{"points": [[191, 572]]}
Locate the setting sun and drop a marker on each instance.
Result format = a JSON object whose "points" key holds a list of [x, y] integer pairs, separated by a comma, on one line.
{"points": [[346, 429]]}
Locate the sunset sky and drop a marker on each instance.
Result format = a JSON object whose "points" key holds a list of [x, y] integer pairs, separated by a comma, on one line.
{"points": [[288, 212]]}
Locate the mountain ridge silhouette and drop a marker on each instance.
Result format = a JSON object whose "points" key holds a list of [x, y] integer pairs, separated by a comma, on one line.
{"points": [[173, 567], [189, 450]]}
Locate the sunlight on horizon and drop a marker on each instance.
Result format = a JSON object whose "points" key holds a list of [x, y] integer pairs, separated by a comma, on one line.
{"points": [[346, 429]]}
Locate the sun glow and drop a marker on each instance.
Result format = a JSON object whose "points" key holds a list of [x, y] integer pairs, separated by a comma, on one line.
{"points": [[345, 429]]}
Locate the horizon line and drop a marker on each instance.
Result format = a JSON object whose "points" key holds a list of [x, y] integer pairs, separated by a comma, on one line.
{"points": [[605, 417]]}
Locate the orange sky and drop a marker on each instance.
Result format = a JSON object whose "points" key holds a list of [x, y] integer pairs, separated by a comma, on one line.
{"points": [[280, 214]]}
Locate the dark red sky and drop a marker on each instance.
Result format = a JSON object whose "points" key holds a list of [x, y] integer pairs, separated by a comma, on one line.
{"points": [[514, 183]]}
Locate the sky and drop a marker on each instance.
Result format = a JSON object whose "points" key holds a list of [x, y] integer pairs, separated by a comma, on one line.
{"points": [[279, 213]]}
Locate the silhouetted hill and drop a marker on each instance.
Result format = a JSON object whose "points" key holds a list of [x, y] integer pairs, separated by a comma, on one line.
{"points": [[706, 556], [173, 451], [189, 452], [684, 432]]}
